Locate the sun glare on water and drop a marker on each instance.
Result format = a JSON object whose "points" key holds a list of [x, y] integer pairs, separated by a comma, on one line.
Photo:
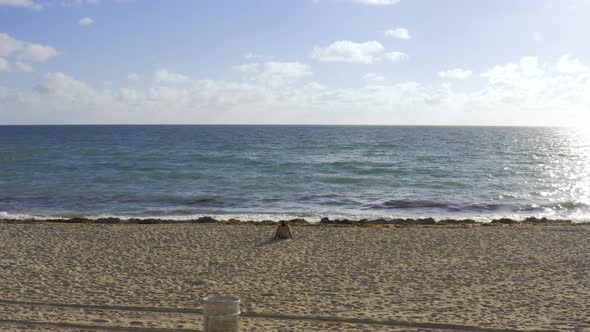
{"points": [[579, 171]]}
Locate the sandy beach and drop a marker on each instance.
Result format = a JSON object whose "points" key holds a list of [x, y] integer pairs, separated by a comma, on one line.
{"points": [[105, 277]]}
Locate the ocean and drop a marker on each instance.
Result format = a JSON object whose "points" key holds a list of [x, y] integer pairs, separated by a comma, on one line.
{"points": [[282, 172]]}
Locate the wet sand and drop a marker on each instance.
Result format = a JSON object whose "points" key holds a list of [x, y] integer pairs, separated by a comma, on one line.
{"points": [[137, 277]]}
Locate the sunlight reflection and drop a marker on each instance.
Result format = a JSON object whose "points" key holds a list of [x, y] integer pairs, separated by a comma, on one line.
{"points": [[578, 174]]}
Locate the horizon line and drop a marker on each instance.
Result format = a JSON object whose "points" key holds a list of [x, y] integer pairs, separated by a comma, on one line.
{"points": [[294, 125]]}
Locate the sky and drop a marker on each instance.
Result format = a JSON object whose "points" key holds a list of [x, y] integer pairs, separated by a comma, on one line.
{"points": [[375, 62]]}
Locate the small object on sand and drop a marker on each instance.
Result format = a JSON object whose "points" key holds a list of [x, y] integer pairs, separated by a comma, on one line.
{"points": [[222, 313], [283, 231]]}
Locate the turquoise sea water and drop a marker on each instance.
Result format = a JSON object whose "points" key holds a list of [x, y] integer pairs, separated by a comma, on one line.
{"points": [[272, 172]]}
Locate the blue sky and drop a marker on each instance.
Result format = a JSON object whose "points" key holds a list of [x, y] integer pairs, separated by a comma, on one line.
{"points": [[455, 62]]}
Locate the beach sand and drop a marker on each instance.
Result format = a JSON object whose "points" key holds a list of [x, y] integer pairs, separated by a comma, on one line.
{"points": [[104, 277]]}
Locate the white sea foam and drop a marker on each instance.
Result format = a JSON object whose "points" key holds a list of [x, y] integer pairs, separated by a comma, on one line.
{"points": [[484, 218], [25, 216]]}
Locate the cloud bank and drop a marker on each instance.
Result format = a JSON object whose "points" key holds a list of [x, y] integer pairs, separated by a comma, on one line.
{"points": [[525, 91]]}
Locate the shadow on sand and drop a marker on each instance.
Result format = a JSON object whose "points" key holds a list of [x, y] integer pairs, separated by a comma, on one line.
{"points": [[271, 242]]}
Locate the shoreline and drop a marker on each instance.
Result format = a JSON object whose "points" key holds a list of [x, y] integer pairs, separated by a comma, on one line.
{"points": [[396, 222]]}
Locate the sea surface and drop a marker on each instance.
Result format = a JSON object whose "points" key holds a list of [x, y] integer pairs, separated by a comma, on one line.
{"points": [[275, 172]]}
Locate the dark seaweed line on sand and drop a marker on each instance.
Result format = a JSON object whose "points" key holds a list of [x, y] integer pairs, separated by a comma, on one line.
{"points": [[303, 222]]}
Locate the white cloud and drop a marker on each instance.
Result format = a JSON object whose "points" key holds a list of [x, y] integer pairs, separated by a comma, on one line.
{"points": [[251, 67], [456, 74], [352, 52], [254, 56], [166, 93], [39, 5], [21, 3], [512, 73], [372, 77], [63, 99], [378, 2], [530, 66], [86, 21], [167, 77], [538, 37], [526, 91], [348, 51], [314, 86], [274, 72], [396, 56], [400, 33], [25, 51], [223, 95], [77, 3], [57, 83], [129, 94], [565, 64], [36, 53], [22, 67], [540, 88], [4, 65], [134, 77], [283, 72], [20, 53]]}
